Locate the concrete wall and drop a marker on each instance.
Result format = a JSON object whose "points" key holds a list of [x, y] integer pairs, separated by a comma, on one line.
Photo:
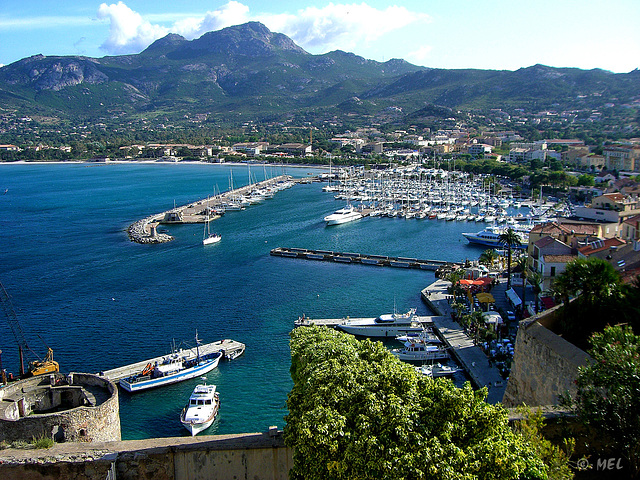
{"points": [[249, 456], [544, 366]]}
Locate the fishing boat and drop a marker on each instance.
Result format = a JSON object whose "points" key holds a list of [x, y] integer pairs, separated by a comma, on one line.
{"points": [[208, 237], [201, 409], [176, 367], [386, 325]]}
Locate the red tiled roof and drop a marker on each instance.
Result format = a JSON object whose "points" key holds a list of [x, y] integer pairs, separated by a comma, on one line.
{"points": [[600, 245], [614, 196], [545, 241], [572, 228], [633, 221]]}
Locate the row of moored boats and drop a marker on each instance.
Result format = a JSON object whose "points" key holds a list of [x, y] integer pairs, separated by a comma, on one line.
{"points": [[419, 344]]}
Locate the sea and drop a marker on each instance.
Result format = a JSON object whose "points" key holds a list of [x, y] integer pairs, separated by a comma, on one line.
{"points": [[78, 284]]}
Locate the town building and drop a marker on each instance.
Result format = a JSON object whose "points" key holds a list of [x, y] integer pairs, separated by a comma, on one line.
{"points": [[622, 157]]}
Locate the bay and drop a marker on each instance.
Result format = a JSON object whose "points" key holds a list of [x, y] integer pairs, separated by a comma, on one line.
{"points": [[100, 301]]}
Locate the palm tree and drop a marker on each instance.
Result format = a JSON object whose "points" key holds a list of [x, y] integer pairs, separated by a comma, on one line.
{"points": [[509, 238], [522, 264], [535, 279], [488, 257]]}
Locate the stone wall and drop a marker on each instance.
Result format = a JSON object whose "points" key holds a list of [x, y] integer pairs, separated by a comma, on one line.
{"points": [[84, 408], [544, 366], [255, 456]]}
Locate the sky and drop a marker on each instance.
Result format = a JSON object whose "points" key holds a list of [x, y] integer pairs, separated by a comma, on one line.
{"points": [[485, 34]]}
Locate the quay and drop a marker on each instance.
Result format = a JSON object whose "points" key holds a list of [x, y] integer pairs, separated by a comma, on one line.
{"points": [[229, 348], [304, 321], [469, 355], [359, 258], [145, 230]]}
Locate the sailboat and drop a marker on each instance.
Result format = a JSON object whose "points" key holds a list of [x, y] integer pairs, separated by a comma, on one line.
{"points": [[208, 237]]}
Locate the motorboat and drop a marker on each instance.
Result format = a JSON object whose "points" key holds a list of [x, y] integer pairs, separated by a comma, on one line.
{"points": [[201, 409], [490, 237], [437, 370], [386, 325], [176, 367], [419, 337], [419, 352], [344, 215]]}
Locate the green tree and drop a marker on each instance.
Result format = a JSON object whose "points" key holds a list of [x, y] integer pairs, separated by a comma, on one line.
{"points": [[586, 180], [509, 239], [356, 412], [608, 395], [598, 296], [522, 265], [488, 257], [535, 279]]}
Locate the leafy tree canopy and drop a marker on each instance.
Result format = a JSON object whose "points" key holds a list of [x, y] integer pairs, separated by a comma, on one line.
{"points": [[608, 396], [356, 412]]}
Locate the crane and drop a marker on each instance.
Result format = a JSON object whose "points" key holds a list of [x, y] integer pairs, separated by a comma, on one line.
{"points": [[35, 367]]}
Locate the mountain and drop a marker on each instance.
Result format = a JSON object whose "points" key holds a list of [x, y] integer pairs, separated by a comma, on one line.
{"points": [[250, 71]]}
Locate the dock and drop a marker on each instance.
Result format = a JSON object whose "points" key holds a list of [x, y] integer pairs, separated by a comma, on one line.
{"points": [[426, 321], [359, 258], [469, 355], [227, 347], [145, 230]]}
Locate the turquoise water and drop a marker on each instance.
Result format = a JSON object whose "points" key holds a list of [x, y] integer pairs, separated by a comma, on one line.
{"points": [[101, 301]]}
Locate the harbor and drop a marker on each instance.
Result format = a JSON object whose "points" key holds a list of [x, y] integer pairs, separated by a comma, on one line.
{"points": [[359, 258], [93, 283]]}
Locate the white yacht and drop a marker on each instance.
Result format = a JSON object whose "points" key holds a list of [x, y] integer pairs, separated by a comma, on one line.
{"points": [[490, 237], [201, 410], [344, 215], [419, 352], [437, 370], [387, 325]]}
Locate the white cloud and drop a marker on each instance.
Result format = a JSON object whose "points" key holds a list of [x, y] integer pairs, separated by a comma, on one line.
{"points": [[420, 56], [128, 32], [335, 26], [341, 26]]}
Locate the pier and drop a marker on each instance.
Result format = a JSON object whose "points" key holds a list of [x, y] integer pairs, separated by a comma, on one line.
{"points": [[469, 355], [227, 347], [359, 258], [145, 230], [426, 321]]}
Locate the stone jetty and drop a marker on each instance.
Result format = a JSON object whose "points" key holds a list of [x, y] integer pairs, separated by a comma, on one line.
{"points": [[145, 230]]}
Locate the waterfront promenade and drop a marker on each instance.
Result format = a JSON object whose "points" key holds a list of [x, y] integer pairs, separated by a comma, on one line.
{"points": [[470, 356]]}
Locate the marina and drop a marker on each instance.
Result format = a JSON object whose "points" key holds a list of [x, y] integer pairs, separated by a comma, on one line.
{"points": [[359, 258], [122, 302]]}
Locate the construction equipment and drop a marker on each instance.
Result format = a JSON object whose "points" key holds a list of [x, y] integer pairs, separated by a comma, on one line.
{"points": [[35, 367]]}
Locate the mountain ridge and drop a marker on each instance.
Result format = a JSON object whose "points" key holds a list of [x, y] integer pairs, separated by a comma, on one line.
{"points": [[252, 71]]}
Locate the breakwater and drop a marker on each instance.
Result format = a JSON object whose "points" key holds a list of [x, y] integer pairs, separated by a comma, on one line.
{"points": [[360, 258], [145, 230]]}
